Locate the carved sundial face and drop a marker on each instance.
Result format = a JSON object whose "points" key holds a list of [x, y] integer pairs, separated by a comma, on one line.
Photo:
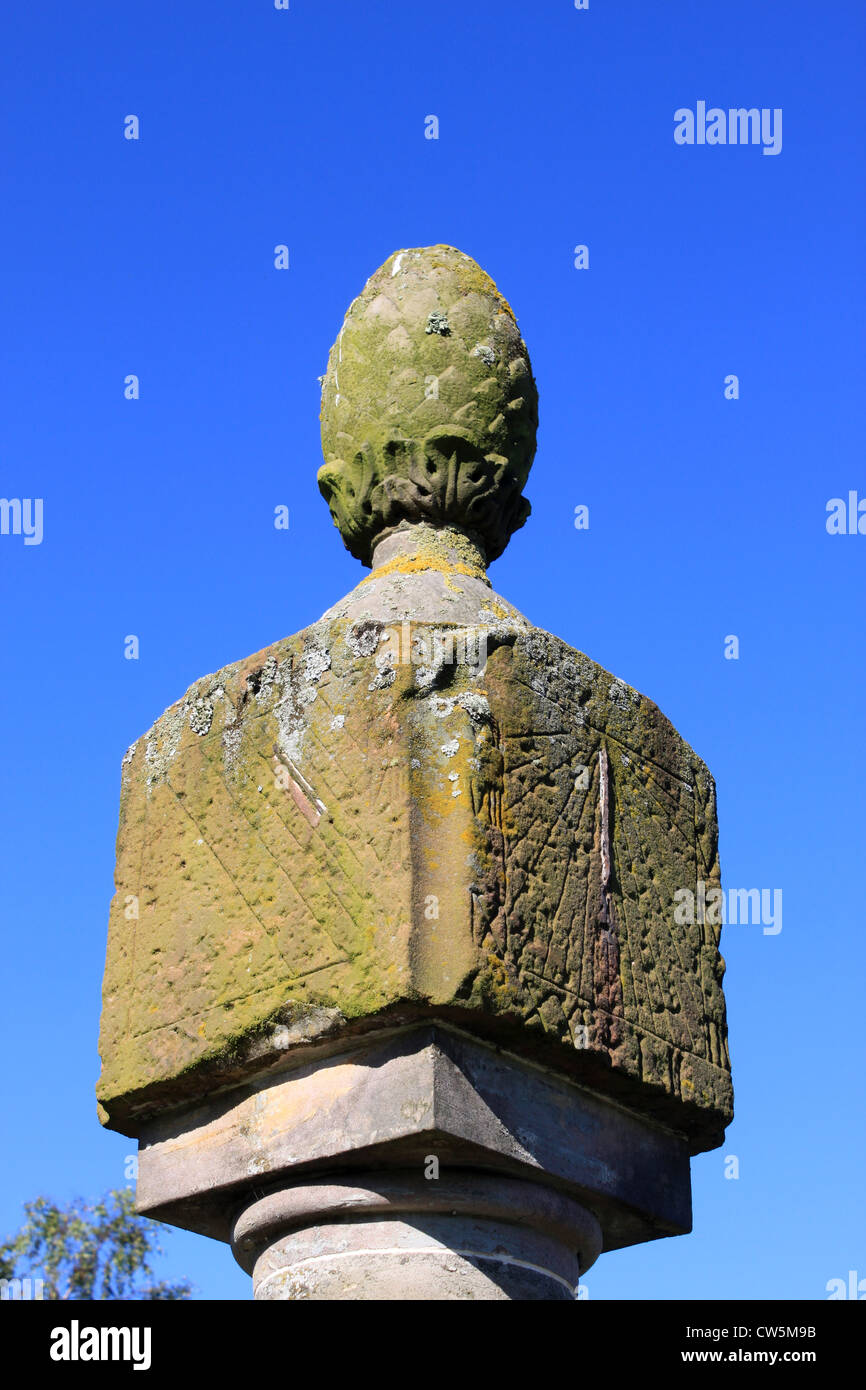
{"points": [[429, 408]]}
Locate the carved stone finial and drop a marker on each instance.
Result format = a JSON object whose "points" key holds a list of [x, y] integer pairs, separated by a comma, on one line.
{"points": [[417, 885], [429, 407]]}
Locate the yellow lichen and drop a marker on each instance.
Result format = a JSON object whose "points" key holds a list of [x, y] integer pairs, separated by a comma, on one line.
{"points": [[416, 564]]}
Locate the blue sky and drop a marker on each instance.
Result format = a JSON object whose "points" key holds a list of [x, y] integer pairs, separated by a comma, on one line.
{"points": [[707, 515]]}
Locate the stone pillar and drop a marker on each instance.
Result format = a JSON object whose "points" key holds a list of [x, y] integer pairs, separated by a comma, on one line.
{"points": [[395, 1236], [403, 998]]}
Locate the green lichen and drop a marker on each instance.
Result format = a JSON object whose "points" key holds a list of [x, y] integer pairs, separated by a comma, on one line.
{"points": [[419, 424]]}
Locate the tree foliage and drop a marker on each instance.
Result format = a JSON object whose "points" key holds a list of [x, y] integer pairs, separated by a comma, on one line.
{"points": [[86, 1249]]}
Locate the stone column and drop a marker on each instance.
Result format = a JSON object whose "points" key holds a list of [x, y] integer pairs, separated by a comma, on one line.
{"points": [[402, 996], [395, 1236]]}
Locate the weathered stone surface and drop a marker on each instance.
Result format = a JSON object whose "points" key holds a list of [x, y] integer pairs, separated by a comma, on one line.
{"points": [[388, 1102], [421, 808], [396, 1238], [331, 835], [429, 407]]}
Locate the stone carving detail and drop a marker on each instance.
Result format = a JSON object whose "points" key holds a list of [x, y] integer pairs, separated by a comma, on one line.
{"points": [[287, 859], [429, 407], [334, 836], [406, 883], [443, 479], [596, 813]]}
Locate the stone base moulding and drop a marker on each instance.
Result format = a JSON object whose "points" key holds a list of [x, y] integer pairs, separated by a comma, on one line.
{"points": [[401, 1236], [423, 1164]]}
